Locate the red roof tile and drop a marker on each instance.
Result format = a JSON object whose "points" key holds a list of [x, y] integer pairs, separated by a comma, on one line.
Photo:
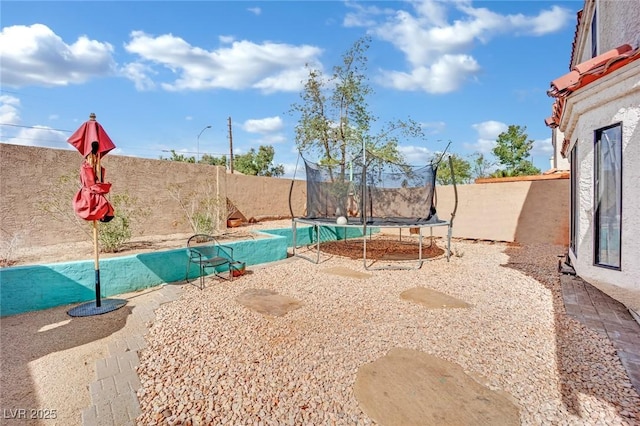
{"points": [[585, 73]]}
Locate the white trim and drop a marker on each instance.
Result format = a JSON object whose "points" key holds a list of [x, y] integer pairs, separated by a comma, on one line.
{"points": [[583, 31], [596, 13], [583, 100]]}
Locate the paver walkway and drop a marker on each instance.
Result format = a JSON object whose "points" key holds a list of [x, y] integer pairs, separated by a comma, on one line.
{"points": [[113, 393], [608, 317]]}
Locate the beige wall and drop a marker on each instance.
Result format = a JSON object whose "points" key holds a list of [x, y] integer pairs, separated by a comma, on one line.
{"points": [[510, 211], [263, 197], [28, 177], [525, 212]]}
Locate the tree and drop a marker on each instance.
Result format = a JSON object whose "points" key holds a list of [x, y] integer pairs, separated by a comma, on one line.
{"points": [[334, 120], [481, 166], [461, 170], [213, 161], [512, 149], [179, 157], [206, 159], [258, 163]]}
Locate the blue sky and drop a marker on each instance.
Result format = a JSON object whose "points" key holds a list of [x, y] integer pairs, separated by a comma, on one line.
{"points": [[157, 73]]}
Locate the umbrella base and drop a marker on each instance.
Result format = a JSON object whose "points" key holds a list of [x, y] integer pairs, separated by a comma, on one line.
{"points": [[90, 308]]}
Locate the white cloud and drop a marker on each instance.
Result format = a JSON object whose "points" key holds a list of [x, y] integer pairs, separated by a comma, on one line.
{"points": [[263, 125], [39, 136], [489, 129], [286, 81], [363, 16], [268, 67], [548, 21], [415, 155], [255, 10], [444, 76], [273, 139], [269, 129], [434, 127], [438, 49], [137, 72], [35, 55], [483, 146], [9, 109], [542, 147], [226, 39], [488, 132]]}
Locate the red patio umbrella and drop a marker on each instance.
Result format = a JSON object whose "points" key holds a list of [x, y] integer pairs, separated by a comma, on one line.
{"points": [[90, 202], [91, 131]]}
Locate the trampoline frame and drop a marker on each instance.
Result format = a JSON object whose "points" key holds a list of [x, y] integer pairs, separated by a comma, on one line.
{"points": [[318, 223], [381, 223]]}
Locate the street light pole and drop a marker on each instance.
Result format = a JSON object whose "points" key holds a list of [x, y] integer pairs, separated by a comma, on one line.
{"points": [[198, 143]]}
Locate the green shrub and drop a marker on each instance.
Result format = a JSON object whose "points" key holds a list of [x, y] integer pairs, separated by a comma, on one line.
{"points": [[202, 209], [115, 234]]}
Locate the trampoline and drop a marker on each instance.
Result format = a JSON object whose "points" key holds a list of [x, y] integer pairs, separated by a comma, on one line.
{"points": [[372, 195]]}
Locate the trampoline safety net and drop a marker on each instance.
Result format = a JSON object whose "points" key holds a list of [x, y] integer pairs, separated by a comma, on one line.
{"points": [[379, 193]]}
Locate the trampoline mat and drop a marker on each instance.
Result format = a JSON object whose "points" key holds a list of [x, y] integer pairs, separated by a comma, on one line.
{"points": [[382, 248]]}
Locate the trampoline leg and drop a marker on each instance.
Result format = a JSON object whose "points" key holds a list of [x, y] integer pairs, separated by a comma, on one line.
{"points": [[420, 246], [317, 243], [294, 243], [364, 247], [315, 228], [448, 243]]}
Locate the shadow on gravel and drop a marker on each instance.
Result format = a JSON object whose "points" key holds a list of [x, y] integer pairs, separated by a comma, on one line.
{"points": [[583, 357]]}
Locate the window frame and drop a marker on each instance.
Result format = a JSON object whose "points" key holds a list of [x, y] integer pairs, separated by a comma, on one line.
{"points": [[574, 202], [596, 187]]}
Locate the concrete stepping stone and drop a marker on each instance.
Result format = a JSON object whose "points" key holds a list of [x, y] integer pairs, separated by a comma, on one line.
{"points": [[268, 302], [409, 387]]}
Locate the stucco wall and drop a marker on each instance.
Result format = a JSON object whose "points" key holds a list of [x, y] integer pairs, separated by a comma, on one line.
{"points": [[558, 162], [29, 175], [613, 99], [525, 212], [618, 24], [509, 211], [258, 197]]}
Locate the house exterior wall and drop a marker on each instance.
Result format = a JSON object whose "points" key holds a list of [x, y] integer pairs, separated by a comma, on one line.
{"points": [[558, 162], [618, 24], [612, 99]]}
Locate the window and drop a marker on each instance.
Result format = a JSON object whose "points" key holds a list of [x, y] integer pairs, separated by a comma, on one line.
{"points": [[594, 34], [575, 209], [608, 196]]}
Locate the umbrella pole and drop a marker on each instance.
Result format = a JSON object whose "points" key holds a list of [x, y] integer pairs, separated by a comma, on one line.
{"points": [[98, 169], [96, 261]]}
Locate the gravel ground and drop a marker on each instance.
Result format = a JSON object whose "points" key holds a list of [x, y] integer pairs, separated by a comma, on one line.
{"points": [[210, 360]]}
